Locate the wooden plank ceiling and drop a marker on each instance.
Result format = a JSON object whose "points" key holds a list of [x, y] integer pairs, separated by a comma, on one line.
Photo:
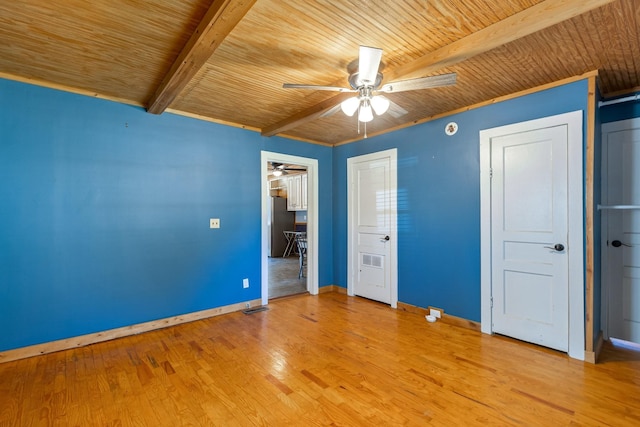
{"points": [[226, 60]]}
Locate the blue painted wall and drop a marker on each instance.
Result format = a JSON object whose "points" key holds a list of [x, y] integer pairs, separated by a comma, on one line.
{"points": [[439, 198], [104, 214], [105, 210]]}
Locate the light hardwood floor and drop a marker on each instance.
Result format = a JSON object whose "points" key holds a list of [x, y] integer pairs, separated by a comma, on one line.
{"points": [[319, 360]]}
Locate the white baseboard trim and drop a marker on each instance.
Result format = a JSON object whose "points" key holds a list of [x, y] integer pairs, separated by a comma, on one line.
{"points": [[84, 340]]}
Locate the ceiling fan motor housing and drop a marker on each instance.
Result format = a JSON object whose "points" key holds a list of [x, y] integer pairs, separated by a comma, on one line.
{"points": [[355, 84]]}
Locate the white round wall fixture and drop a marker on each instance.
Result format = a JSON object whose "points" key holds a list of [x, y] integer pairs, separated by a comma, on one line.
{"points": [[451, 128]]}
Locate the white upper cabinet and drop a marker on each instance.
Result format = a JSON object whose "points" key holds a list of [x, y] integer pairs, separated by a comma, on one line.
{"points": [[297, 192]]}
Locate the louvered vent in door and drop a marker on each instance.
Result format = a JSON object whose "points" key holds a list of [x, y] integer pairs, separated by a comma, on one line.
{"points": [[372, 260]]}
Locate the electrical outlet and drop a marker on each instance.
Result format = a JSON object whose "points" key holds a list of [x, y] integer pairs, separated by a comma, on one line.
{"points": [[435, 313], [214, 223], [245, 283], [247, 305]]}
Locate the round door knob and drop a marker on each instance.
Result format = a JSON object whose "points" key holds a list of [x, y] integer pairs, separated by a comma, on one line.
{"points": [[386, 237]]}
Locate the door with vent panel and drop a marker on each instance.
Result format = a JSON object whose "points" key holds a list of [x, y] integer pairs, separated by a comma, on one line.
{"points": [[372, 206]]}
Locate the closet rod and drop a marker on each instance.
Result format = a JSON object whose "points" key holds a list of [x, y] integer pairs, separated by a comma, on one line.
{"points": [[619, 100]]}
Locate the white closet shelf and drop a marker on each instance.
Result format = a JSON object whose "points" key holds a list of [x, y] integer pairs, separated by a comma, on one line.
{"points": [[618, 207]]}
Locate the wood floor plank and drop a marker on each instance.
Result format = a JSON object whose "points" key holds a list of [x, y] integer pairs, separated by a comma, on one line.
{"points": [[315, 361]]}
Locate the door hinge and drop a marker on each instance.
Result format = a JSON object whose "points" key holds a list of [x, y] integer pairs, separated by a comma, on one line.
{"points": [[491, 302], [490, 173]]}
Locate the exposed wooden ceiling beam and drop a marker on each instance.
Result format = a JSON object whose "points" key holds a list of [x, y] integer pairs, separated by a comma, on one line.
{"points": [[220, 19], [529, 21]]}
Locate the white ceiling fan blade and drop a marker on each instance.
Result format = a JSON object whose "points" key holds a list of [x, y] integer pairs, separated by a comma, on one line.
{"points": [[395, 110], [316, 87], [420, 83], [368, 64]]}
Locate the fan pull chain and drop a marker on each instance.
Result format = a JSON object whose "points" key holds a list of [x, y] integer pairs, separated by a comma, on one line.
{"points": [[358, 120], [365, 128]]}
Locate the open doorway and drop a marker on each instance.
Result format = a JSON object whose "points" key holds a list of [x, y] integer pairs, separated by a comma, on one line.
{"points": [[287, 229], [283, 265]]}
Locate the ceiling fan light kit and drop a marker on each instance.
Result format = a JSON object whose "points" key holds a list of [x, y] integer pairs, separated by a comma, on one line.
{"points": [[365, 114], [350, 106], [366, 81], [380, 104], [363, 103]]}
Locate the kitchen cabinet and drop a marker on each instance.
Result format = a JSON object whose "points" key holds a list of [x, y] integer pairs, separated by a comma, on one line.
{"points": [[278, 187], [303, 192], [297, 192]]}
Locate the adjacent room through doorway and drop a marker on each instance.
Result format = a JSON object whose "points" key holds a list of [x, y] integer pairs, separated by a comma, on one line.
{"points": [[287, 229], [289, 225]]}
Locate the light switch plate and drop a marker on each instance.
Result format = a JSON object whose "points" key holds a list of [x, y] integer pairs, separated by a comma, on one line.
{"points": [[214, 223]]}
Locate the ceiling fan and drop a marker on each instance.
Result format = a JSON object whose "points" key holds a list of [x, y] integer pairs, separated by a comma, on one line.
{"points": [[366, 80], [279, 169]]}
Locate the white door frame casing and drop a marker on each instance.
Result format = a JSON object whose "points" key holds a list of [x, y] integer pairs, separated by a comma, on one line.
{"points": [[312, 218], [575, 238], [393, 229]]}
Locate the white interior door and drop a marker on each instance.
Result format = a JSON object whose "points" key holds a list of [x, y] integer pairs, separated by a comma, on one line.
{"points": [[621, 224], [372, 231], [525, 168], [529, 234]]}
